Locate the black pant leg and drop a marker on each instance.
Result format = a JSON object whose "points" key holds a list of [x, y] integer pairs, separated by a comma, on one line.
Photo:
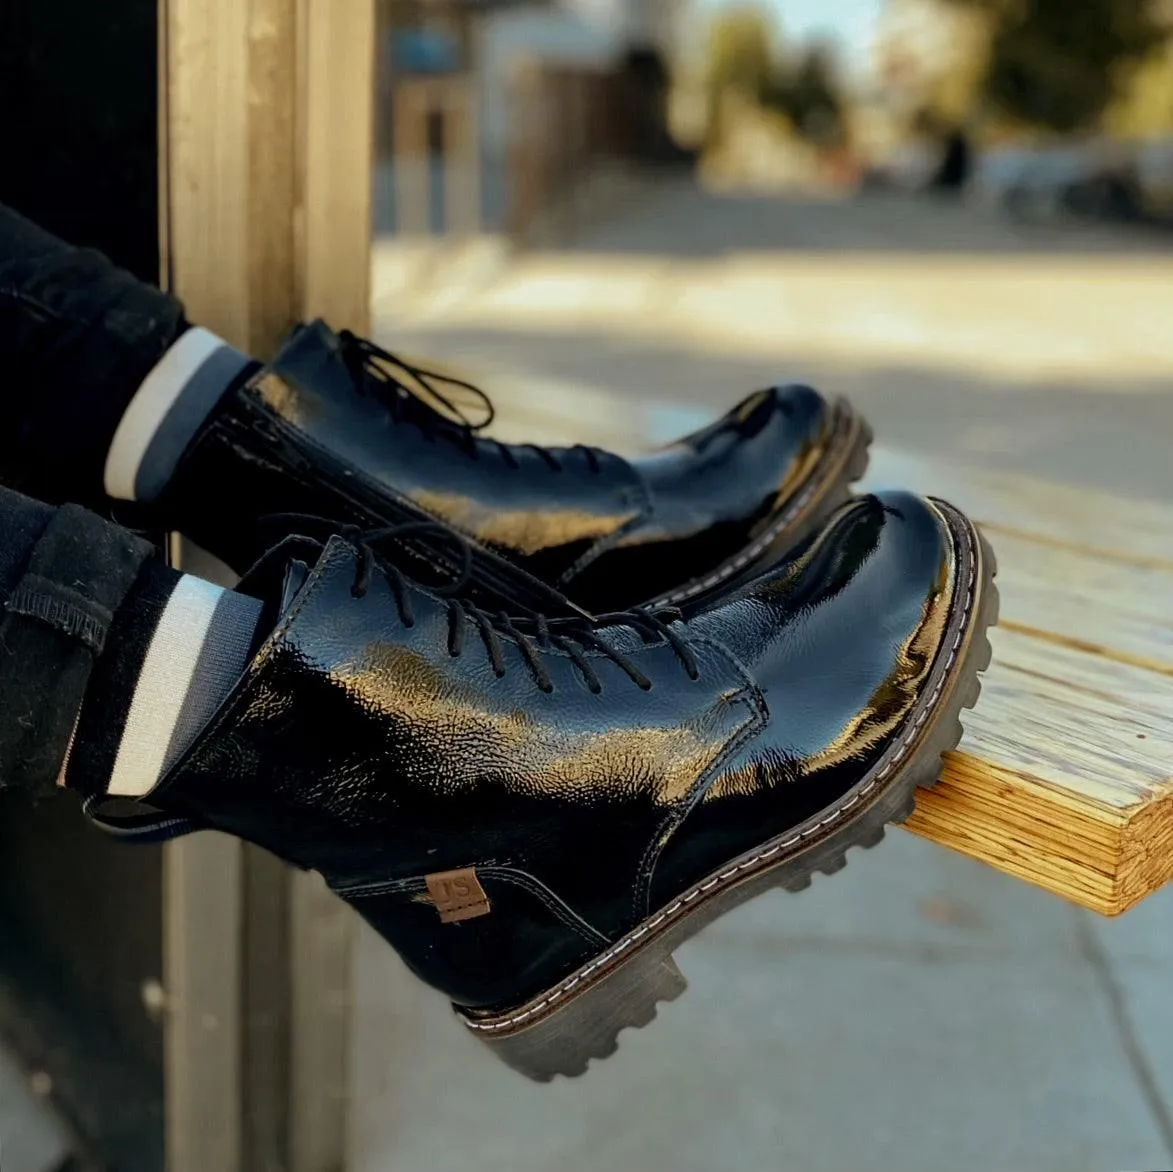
{"points": [[63, 574], [77, 337]]}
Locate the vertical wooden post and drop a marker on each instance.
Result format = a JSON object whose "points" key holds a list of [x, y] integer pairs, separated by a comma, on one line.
{"points": [[321, 970], [336, 119], [202, 910], [275, 295], [337, 110], [269, 113], [206, 161], [578, 159], [453, 100], [266, 111]]}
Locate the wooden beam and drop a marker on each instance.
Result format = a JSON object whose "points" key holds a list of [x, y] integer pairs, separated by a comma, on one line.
{"points": [[229, 184], [1065, 774], [265, 180], [202, 917], [269, 115], [206, 183], [322, 956], [275, 298], [336, 154], [337, 138]]}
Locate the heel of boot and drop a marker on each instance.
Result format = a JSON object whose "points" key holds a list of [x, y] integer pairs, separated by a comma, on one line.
{"points": [[588, 1025]]}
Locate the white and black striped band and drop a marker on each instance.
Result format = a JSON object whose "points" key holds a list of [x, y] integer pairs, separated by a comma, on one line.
{"points": [[167, 412]]}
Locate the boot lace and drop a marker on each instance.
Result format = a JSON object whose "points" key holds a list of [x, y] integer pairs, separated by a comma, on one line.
{"points": [[534, 634], [382, 375]]}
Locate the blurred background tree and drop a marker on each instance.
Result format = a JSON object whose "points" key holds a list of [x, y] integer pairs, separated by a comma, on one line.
{"points": [[1060, 65], [741, 55], [746, 57], [1144, 106], [809, 94]]}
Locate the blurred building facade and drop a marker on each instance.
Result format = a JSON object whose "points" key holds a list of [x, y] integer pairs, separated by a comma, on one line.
{"points": [[486, 108]]}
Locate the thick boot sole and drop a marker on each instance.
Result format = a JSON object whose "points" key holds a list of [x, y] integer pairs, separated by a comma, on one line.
{"points": [[580, 1018]]}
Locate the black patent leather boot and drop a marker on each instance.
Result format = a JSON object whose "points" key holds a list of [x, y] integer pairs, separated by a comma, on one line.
{"points": [[536, 813], [339, 428]]}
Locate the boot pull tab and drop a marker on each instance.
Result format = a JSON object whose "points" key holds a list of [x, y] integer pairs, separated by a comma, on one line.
{"points": [[457, 895]]}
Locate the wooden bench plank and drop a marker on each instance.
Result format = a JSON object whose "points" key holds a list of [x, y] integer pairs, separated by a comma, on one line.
{"points": [[1064, 776], [1102, 605], [1139, 532], [1098, 729], [1078, 696]]}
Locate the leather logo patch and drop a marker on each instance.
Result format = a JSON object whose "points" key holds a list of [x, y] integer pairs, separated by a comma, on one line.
{"points": [[457, 895]]}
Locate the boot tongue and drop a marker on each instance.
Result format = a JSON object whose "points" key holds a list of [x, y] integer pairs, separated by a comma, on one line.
{"points": [[314, 361], [296, 575], [312, 352]]}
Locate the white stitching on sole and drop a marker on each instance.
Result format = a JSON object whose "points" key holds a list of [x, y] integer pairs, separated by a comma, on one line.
{"points": [[560, 991]]}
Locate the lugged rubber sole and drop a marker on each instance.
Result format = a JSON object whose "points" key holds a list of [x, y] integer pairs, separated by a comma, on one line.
{"points": [[580, 1018], [826, 489]]}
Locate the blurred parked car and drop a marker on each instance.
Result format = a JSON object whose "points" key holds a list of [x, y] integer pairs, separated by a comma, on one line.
{"points": [[998, 173], [1095, 179], [1154, 176], [909, 168]]}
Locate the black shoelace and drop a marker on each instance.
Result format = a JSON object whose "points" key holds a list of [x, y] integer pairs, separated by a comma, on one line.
{"points": [[374, 370], [532, 633]]}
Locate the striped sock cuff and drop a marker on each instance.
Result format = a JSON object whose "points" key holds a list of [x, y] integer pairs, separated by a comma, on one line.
{"points": [[183, 647], [197, 653], [167, 411]]}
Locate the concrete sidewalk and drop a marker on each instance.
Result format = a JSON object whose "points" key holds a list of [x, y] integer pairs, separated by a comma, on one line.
{"points": [[32, 1137], [917, 1011]]}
